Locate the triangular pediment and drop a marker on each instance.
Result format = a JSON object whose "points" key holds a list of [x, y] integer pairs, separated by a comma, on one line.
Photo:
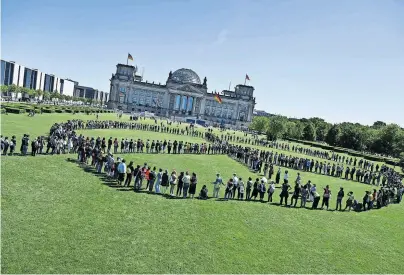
{"points": [[188, 88]]}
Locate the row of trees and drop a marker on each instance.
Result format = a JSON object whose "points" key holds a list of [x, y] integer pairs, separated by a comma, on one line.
{"points": [[31, 93], [380, 138]]}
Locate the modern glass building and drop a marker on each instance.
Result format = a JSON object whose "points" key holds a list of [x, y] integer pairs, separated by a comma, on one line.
{"points": [[7, 73]]}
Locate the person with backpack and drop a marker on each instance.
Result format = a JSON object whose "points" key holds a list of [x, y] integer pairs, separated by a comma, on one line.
{"points": [[216, 185], [262, 190], [271, 190]]}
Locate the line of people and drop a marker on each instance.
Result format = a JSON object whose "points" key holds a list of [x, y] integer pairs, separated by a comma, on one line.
{"points": [[184, 185]]}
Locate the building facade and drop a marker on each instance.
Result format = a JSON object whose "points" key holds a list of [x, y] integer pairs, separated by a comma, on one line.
{"points": [[90, 93], [13, 73], [183, 95]]}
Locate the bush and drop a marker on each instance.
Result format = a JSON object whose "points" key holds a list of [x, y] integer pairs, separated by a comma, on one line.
{"points": [[48, 111], [15, 110], [69, 111], [345, 151], [59, 111]]}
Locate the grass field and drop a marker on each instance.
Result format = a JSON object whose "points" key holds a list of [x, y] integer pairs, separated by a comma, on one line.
{"points": [[59, 217]]}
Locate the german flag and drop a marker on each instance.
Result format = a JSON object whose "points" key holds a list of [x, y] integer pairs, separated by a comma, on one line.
{"points": [[130, 57], [217, 98]]}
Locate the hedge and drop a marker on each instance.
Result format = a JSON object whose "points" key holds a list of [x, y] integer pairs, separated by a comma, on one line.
{"points": [[48, 110], [59, 111], [14, 110], [345, 151]]}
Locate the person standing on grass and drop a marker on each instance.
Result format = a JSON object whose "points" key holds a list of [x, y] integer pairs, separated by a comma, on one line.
{"points": [[235, 186], [173, 182], [271, 171], [316, 200], [349, 201], [240, 189], [192, 186], [216, 185], [326, 197], [296, 193], [278, 176], [249, 187], [136, 176], [6, 146], [366, 200], [164, 182], [152, 179], [303, 192], [285, 192], [262, 190], [180, 184], [186, 181], [271, 190], [129, 174], [340, 196], [255, 189], [229, 188], [312, 190], [158, 181], [286, 177], [121, 172]]}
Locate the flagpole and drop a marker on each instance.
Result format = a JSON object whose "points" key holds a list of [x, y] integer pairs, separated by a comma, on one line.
{"points": [[127, 60], [229, 85], [245, 80]]}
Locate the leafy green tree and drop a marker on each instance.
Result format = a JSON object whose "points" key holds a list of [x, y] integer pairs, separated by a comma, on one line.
{"points": [[333, 135], [4, 89], [276, 127], [259, 124], [378, 125], [309, 132]]}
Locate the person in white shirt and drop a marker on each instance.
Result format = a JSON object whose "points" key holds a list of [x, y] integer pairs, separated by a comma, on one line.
{"points": [[186, 180], [286, 177], [121, 172], [235, 185]]}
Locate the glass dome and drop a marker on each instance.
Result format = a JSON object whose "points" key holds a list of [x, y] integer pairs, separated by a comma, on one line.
{"points": [[186, 76]]}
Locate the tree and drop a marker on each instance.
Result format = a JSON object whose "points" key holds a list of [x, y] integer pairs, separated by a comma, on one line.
{"points": [[4, 89], [309, 132], [276, 127], [46, 95], [378, 124], [333, 135], [259, 124]]}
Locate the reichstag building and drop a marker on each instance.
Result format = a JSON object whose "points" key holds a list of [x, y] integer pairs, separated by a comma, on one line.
{"points": [[183, 96]]}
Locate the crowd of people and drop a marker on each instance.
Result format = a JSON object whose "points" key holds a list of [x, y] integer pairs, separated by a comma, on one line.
{"points": [[100, 151], [184, 184]]}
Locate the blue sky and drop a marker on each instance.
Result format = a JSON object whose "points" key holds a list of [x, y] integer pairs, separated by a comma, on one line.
{"points": [[339, 60]]}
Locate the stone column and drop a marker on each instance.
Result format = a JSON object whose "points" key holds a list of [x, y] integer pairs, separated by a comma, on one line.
{"points": [[249, 114], [202, 108]]}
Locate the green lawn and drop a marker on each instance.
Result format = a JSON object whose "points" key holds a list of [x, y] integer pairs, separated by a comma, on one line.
{"points": [[58, 217]]}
